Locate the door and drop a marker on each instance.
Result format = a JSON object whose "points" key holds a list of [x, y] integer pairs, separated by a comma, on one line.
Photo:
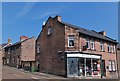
{"points": [[103, 70], [72, 67]]}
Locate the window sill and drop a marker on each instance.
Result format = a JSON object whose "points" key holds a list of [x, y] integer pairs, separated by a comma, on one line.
{"points": [[112, 71], [38, 53], [91, 49], [71, 46], [102, 51]]}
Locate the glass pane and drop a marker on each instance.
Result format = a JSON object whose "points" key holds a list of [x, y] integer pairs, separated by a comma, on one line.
{"points": [[72, 67]]}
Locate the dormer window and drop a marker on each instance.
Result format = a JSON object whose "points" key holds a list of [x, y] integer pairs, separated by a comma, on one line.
{"points": [[49, 30]]}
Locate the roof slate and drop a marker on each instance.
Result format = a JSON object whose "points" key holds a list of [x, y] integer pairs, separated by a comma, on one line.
{"points": [[4, 44], [19, 42], [89, 32]]}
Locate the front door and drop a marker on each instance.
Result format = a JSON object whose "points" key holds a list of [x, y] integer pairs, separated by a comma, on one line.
{"points": [[103, 70], [72, 67]]}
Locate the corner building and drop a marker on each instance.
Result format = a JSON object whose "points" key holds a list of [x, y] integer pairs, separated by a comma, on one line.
{"points": [[72, 51]]}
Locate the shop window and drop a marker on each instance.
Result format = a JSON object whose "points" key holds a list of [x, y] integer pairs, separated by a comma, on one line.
{"points": [[49, 30], [71, 41]]}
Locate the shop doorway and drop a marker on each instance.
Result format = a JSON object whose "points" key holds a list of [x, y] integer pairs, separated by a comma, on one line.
{"points": [[72, 67]]}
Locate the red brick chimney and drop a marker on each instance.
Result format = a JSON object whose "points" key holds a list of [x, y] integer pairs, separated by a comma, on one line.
{"points": [[22, 38], [103, 33], [58, 18]]}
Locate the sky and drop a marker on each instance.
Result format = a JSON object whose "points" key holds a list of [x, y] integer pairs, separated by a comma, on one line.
{"points": [[26, 18]]}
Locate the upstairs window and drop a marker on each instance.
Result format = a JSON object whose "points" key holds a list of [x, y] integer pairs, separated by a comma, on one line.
{"points": [[87, 43], [108, 48], [101, 47], [49, 30], [92, 45], [38, 48], [114, 48], [71, 41]]}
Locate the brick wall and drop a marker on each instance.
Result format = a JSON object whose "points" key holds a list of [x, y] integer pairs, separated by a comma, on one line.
{"points": [[28, 50], [50, 60], [81, 41], [118, 59]]}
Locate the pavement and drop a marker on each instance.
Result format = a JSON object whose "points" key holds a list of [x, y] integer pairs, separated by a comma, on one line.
{"points": [[14, 74]]}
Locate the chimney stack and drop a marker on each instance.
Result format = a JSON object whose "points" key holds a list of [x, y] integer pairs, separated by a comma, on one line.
{"points": [[9, 41], [103, 33], [22, 38], [58, 18]]}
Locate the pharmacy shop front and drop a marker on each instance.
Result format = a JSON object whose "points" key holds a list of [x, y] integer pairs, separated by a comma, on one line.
{"points": [[87, 65]]}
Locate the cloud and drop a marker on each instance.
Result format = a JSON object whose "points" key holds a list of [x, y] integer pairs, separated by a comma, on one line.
{"points": [[25, 9], [50, 12]]}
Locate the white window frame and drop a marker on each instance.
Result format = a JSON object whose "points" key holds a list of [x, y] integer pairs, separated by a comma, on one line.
{"points": [[113, 66], [88, 41], [114, 49], [38, 48], [49, 30], [110, 65], [71, 38], [92, 43], [102, 45]]}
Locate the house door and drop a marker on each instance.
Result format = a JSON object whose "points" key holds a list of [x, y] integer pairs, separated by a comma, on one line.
{"points": [[103, 70], [72, 67]]}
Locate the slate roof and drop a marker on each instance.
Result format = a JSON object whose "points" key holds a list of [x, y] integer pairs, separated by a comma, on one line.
{"points": [[118, 46], [19, 42], [91, 33], [4, 44]]}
